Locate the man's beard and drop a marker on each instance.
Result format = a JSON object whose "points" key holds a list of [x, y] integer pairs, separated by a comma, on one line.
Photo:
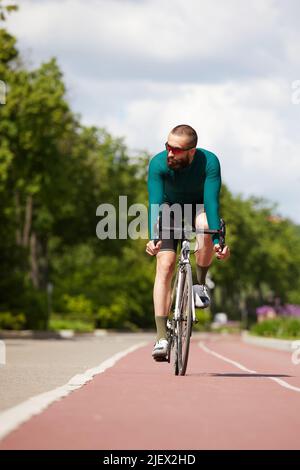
{"points": [[178, 164]]}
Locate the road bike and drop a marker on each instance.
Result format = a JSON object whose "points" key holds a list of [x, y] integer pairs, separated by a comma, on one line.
{"points": [[182, 314]]}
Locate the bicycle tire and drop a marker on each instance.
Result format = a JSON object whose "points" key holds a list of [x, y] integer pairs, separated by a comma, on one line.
{"points": [[172, 337], [185, 322]]}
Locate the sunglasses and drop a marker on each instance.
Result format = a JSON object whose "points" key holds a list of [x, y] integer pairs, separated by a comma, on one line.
{"points": [[175, 150]]}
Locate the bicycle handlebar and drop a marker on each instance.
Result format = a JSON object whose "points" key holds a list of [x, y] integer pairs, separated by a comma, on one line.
{"points": [[221, 232]]}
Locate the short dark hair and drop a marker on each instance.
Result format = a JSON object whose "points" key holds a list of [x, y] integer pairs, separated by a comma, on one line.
{"points": [[184, 129]]}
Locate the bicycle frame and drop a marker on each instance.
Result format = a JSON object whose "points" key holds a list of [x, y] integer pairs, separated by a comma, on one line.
{"points": [[183, 261]]}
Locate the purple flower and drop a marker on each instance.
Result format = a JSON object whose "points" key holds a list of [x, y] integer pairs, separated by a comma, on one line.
{"points": [[264, 310], [290, 310], [287, 310]]}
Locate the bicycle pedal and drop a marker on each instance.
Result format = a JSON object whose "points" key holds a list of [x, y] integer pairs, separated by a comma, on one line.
{"points": [[161, 359]]}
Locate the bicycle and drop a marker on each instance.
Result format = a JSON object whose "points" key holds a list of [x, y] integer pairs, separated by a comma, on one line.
{"points": [[182, 314]]}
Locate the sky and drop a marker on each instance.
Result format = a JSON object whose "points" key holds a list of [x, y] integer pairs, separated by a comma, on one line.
{"points": [[230, 69]]}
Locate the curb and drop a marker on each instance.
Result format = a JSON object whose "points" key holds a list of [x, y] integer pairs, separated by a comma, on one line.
{"points": [[60, 334], [272, 343]]}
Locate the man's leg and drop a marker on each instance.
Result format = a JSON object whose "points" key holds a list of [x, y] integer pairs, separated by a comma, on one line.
{"points": [[165, 265], [204, 256]]}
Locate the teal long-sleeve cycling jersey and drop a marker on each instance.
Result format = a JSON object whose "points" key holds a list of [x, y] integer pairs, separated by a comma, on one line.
{"points": [[198, 183]]}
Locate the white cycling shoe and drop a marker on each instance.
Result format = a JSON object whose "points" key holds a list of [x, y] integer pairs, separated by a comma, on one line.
{"points": [[201, 296], [160, 350]]}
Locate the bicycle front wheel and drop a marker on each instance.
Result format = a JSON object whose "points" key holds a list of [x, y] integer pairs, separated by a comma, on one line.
{"points": [[185, 321]]}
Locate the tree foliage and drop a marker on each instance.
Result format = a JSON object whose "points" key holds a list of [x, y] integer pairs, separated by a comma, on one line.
{"points": [[6, 8], [54, 172]]}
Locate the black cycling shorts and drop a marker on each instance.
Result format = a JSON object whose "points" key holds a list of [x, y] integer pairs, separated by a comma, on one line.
{"points": [[170, 239]]}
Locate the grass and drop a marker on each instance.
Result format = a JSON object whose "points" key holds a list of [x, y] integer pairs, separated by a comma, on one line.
{"points": [[280, 327]]}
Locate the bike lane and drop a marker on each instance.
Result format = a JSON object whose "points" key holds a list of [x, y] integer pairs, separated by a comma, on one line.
{"points": [[265, 361], [140, 404]]}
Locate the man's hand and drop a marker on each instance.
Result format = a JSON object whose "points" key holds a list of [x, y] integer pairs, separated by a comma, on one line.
{"points": [[222, 254], [152, 249]]}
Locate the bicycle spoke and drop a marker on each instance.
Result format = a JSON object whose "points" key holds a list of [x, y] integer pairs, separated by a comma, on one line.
{"points": [[185, 327], [180, 331]]}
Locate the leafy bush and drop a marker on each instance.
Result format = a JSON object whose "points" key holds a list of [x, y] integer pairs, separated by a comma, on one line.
{"points": [[280, 327], [230, 328], [204, 320], [77, 315], [114, 315], [59, 323], [78, 307], [10, 321]]}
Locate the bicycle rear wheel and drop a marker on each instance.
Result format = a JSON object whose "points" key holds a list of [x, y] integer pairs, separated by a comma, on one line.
{"points": [[184, 323]]}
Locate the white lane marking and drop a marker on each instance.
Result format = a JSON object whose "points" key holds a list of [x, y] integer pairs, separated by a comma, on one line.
{"points": [[13, 417], [240, 366]]}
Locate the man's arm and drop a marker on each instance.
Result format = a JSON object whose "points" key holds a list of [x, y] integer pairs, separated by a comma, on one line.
{"points": [[212, 186], [155, 194]]}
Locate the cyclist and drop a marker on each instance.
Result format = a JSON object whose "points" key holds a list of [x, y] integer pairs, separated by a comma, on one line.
{"points": [[187, 176]]}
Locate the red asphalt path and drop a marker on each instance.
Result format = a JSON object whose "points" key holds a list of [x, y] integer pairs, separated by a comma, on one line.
{"points": [[140, 404]]}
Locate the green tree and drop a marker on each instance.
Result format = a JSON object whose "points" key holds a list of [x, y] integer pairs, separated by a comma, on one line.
{"points": [[265, 260], [6, 9], [54, 172]]}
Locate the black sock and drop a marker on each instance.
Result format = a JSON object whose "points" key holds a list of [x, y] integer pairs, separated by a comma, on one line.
{"points": [[201, 273]]}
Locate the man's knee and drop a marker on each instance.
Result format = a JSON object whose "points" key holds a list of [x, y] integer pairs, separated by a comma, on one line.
{"points": [[165, 263], [204, 241]]}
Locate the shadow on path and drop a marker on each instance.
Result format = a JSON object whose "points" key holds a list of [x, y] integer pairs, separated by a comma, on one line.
{"points": [[237, 375]]}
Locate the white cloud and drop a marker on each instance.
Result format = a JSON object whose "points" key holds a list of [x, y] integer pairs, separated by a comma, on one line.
{"points": [[141, 67], [246, 125], [176, 40]]}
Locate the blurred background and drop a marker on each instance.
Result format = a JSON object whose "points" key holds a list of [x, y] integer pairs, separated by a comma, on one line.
{"points": [[89, 92]]}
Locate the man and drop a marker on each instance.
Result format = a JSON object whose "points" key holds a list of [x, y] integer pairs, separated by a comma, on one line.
{"points": [[190, 177]]}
